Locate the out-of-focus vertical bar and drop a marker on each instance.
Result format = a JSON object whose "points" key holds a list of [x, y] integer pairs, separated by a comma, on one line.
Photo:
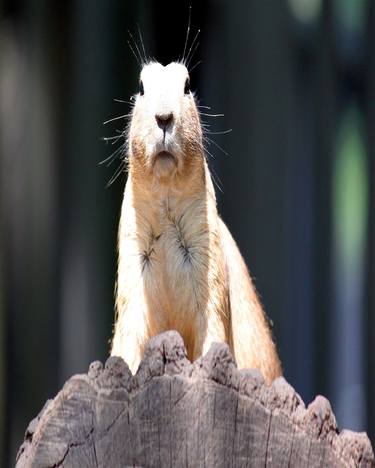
{"points": [[82, 331], [3, 275], [349, 217], [102, 69], [29, 193], [349, 196], [4, 410], [325, 114], [369, 336], [253, 84], [299, 206]]}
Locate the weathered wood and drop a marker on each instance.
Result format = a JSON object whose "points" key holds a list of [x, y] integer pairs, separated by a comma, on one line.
{"points": [[174, 413]]}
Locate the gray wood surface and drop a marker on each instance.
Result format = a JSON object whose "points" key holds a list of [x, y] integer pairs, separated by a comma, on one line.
{"points": [[174, 413]]}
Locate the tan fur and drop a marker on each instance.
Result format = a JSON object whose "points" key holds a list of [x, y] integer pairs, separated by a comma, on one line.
{"points": [[178, 266]]}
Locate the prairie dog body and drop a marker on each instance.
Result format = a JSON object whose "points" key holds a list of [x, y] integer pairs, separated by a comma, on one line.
{"points": [[178, 266]]}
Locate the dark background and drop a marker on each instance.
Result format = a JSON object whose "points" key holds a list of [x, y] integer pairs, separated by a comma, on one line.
{"points": [[295, 80]]}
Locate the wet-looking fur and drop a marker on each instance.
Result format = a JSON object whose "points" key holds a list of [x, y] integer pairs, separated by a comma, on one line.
{"points": [[178, 266]]}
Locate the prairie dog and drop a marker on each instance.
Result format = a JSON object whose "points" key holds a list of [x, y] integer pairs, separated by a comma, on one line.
{"points": [[178, 265]]}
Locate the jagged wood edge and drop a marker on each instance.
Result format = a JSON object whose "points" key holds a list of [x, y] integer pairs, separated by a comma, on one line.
{"points": [[165, 356]]}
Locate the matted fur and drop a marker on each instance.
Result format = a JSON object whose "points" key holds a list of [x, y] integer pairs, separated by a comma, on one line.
{"points": [[178, 266]]}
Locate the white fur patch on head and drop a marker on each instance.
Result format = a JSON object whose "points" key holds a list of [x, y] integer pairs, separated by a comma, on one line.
{"points": [[164, 82]]}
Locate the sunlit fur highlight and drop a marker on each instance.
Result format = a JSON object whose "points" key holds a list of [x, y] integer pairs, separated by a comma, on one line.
{"points": [[178, 266]]}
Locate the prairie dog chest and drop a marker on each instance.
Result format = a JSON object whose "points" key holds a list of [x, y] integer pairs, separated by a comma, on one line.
{"points": [[175, 250], [174, 257]]}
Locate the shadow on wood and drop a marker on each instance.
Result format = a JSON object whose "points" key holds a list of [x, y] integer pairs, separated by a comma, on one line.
{"points": [[174, 413]]}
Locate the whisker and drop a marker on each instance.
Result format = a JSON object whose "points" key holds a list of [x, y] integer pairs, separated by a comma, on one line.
{"points": [[122, 135], [209, 140], [198, 63], [204, 107], [223, 132], [211, 115], [109, 160], [187, 35], [135, 55], [119, 138], [143, 46], [206, 151], [113, 139], [217, 180], [116, 174], [124, 102], [192, 55], [187, 60], [215, 177], [117, 118], [136, 46]]}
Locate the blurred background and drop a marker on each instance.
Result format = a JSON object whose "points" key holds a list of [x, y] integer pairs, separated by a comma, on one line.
{"points": [[296, 82]]}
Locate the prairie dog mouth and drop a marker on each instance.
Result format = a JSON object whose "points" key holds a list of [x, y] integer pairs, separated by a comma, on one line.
{"points": [[165, 159], [164, 164], [164, 156]]}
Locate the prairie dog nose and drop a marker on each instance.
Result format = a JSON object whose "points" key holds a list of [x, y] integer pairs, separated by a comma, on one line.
{"points": [[164, 120]]}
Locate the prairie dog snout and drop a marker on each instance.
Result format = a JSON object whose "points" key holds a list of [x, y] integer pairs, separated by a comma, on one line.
{"points": [[179, 267]]}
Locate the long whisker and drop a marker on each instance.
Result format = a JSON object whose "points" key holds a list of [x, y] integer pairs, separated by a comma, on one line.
{"points": [[217, 180], [124, 102], [206, 151], [215, 176], [137, 48], [117, 118], [187, 35], [211, 115], [223, 132], [187, 60], [198, 63], [209, 140], [135, 55], [106, 139], [113, 139], [143, 46], [193, 53], [109, 160], [117, 173]]}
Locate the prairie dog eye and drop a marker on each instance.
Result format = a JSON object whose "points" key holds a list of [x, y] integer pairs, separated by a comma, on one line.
{"points": [[141, 89], [187, 86]]}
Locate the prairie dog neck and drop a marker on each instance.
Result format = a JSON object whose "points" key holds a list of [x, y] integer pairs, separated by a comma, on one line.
{"points": [[154, 201]]}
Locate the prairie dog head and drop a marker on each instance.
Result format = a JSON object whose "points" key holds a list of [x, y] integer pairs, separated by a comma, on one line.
{"points": [[165, 137]]}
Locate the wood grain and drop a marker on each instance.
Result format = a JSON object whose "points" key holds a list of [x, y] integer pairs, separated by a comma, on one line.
{"points": [[174, 413]]}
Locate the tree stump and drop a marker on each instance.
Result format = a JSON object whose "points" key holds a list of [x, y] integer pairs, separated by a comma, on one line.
{"points": [[174, 413]]}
